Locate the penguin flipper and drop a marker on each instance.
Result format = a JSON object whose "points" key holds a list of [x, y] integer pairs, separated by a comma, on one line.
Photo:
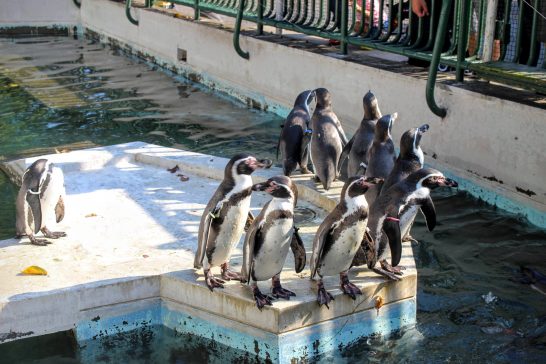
{"points": [[204, 231], [304, 148], [279, 141], [34, 211], [299, 251], [429, 212], [391, 227], [345, 153], [323, 235], [253, 234], [59, 210]]}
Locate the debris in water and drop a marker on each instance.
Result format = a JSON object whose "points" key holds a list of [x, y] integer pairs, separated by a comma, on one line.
{"points": [[34, 270], [492, 330], [378, 303], [183, 177], [489, 298], [173, 169]]}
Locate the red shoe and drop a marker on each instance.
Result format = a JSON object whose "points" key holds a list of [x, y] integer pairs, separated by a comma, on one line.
{"points": [[334, 42]]}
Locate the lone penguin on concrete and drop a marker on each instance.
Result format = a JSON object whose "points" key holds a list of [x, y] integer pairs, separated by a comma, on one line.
{"points": [[41, 197], [224, 219], [268, 239], [328, 139]]}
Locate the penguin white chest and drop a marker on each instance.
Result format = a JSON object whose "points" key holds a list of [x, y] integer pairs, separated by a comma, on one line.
{"points": [[275, 244], [340, 255], [230, 232]]}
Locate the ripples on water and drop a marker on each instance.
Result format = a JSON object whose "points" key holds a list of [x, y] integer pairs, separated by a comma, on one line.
{"points": [[474, 250]]}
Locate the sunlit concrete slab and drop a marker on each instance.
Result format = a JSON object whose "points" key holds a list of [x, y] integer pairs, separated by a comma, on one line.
{"points": [[132, 229]]}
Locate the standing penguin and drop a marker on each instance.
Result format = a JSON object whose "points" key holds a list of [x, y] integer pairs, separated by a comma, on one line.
{"points": [[328, 139], [224, 219], [339, 237], [381, 154], [42, 194], [268, 239], [357, 148], [296, 135], [410, 159], [392, 213]]}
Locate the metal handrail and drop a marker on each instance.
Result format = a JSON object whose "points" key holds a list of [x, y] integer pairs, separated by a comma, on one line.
{"points": [[417, 38]]}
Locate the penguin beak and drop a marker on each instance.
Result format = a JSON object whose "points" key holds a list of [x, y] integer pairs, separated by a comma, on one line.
{"points": [[370, 181], [446, 182], [267, 186], [423, 128]]}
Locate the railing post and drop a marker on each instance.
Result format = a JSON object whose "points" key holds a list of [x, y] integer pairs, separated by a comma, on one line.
{"points": [[344, 25], [260, 17], [128, 13], [436, 53], [463, 35], [489, 34], [197, 11], [77, 3], [237, 31]]}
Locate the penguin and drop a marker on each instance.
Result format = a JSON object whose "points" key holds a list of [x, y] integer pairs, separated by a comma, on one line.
{"points": [[268, 239], [296, 135], [339, 237], [41, 196], [381, 154], [224, 218], [410, 159], [391, 214], [357, 147], [328, 139]]}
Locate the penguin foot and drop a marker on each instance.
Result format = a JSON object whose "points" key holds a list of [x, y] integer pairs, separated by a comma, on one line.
{"points": [[323, 296], [389, 268], [305, 170], [348, 288], [409, 238], [228, 274], [261, 299], [53, 234], [389, 275], [213, 282], [279, 292], [316, 178], [39, 242]]}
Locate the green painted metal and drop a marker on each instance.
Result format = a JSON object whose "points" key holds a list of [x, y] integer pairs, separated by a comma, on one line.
{"points": [[128, 12], [433, 70], [533, 47], [317, 18], [196, 10], [77, 3], [237, 32]]}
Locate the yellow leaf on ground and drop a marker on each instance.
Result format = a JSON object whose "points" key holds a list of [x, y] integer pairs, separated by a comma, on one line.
{"points": [[35, 271]]}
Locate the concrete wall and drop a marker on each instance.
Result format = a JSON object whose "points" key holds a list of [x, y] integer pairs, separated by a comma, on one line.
{"points": [[38, 13], [481, 137]]}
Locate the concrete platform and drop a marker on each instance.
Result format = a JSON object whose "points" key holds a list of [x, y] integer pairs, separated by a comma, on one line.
{"points": [[132, 230]]}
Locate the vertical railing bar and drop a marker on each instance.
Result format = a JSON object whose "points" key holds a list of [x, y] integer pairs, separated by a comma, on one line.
{"points": [[260, 27], [128, 13], [533, 46], [344, 25], [237, 31], [518, 36], [505, 27], [461, 50], [433, 70], [196, 11]]}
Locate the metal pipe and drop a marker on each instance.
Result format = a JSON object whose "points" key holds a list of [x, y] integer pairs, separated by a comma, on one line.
{"points": [[463, 39], [237, 31], [77, 3], [128, 13], [533, 46], [344, 25], [433, 70]]}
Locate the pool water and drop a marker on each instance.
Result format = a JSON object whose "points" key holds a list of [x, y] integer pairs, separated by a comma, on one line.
{"points": [[63, 94]]}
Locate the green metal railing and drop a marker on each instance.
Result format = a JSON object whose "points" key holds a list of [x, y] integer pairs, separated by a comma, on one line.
{"points": [[442, 38]]}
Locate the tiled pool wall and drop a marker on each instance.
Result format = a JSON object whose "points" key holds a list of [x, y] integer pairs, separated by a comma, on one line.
{"points": [[101, 332]]}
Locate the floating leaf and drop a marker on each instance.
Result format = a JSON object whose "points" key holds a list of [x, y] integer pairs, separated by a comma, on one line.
{"points": [[34, 270]]}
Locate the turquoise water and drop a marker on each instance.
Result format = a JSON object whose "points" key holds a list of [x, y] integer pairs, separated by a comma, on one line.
{"points": [[475, 249]]}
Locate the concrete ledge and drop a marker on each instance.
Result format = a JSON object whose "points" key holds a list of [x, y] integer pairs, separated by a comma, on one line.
{"points": [[132, 230]]}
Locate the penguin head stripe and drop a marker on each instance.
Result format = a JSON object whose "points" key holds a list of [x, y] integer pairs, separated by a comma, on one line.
{"points": [[420, 182]]}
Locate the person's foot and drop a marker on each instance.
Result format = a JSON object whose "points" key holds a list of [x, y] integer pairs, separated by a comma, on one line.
{"points": [[333, 42]]}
